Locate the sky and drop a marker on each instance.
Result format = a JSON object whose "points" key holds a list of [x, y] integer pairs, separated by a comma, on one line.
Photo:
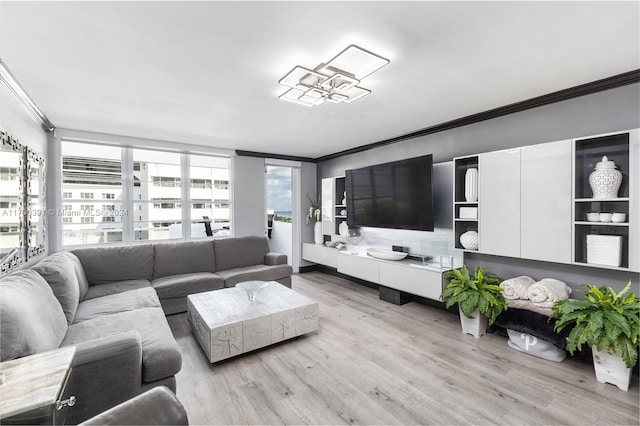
{"points": [[279, 189]]}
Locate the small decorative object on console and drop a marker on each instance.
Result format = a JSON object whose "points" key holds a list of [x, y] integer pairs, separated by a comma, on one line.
{"points": [[469, 240], [605, 180], [252, 288], [386, 254]]}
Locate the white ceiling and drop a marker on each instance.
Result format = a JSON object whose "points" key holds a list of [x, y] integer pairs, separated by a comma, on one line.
{"points": [[207, 73]]}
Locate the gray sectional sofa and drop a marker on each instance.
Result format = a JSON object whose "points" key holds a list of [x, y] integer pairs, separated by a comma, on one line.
{"points": [[111, 302]]}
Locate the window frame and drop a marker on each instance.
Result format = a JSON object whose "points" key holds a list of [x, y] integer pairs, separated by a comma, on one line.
{"points": [[127, 201]]}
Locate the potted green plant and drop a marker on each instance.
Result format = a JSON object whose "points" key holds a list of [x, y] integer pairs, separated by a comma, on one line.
{"points": [[609, 323], [479, 298]]}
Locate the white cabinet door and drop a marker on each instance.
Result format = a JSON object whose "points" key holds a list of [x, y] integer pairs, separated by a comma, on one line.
{"points": [[499, 202], [359, 267], [411, 280], [327, 197], [330, 257], [545, 202], [313, 253]]}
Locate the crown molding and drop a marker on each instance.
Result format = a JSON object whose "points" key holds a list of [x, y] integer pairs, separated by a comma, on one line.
{"points": [[612, 82]]}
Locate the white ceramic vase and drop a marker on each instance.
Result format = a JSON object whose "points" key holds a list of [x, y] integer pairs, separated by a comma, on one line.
{"points": [[469, 240], [317, 233], [471, 185], [475, 326], [610, 368], [605, 180]]}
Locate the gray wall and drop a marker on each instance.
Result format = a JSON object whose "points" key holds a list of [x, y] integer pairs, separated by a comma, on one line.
{"points": [[248, 204], [608, 111]]}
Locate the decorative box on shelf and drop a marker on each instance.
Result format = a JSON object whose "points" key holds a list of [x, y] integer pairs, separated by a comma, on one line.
{"points": [[604, 249], [468, 213]]}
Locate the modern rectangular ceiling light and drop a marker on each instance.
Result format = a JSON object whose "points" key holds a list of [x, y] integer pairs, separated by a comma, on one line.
{"points": [[335, 81], [293, 95], [314, 96], [339, 82], [336, 98], [356, 93], [357, 61], [302, 78]]}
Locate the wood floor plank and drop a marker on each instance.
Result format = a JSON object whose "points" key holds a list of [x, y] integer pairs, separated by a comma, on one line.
{"points": [[372, 362]]}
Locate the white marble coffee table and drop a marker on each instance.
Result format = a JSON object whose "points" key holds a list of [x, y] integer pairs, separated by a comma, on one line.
{"points": [[226, 323]]}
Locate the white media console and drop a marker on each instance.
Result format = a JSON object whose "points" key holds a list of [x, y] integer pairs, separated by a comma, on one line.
{"points": [[408, 275]]}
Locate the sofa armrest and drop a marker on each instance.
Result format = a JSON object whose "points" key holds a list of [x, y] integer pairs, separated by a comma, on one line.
{"points": [[104, 372], [273, 258], [158, 406]]}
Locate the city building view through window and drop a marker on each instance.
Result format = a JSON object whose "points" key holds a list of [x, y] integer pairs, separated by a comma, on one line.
{"points": [[96, 208]]}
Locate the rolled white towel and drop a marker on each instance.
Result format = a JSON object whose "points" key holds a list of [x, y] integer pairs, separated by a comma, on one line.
{"points": [[517, 288], [546, 292]]}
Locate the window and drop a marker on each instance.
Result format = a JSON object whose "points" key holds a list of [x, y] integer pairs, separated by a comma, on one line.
{"points": [[210, 201], [222, 184], [88, 170], [158, 195], [153, 208]]}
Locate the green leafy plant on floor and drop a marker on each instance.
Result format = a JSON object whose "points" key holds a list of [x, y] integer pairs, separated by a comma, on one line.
{"points": [[604, 319], [481, 291]]}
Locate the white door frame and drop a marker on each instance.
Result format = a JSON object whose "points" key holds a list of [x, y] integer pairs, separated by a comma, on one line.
{"points": [[296, 217]]}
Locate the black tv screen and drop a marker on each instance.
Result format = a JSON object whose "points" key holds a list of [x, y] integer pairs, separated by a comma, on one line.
{"points": [[392, 195]]}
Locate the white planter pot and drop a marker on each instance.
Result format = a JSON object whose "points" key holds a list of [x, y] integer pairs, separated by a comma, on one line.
{"points": [[475, 326], [317, 233], [610, 368]]}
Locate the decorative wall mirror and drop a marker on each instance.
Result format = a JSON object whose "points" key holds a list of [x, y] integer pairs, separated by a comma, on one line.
{"points": [[22, 203], [11, 203], [35, 217]]}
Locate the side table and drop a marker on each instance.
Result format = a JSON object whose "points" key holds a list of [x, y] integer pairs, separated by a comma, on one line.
{"points": [[32, 388]]}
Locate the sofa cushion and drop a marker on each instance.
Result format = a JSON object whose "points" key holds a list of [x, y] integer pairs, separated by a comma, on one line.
{"points": [[59, 272], [182, 285], [183, 258], [102, 290], [83, 284], [238, 252], [117, 302], [161, 356], [31, 317], [255, 273], [108, 264]]}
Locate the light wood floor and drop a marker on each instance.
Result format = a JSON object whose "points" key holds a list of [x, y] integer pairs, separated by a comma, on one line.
{"points": [[372, 362]]}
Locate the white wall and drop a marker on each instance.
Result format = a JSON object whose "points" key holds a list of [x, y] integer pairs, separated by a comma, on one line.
{"points": [[20, 124], [281, 238]]}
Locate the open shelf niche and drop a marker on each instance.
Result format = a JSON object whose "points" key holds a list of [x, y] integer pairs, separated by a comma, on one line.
{"points": [[615, 236], [469, 221]]}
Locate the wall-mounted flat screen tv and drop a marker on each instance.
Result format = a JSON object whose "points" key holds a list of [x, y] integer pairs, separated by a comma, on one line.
{"points": [[392, 195]]}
